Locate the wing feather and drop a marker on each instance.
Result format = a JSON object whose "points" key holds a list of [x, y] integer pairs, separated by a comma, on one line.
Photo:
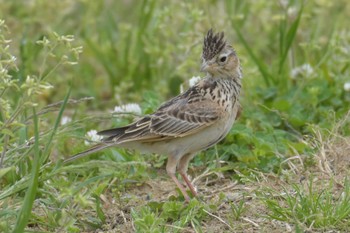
{"points": [[186, 119], [181, 116]]}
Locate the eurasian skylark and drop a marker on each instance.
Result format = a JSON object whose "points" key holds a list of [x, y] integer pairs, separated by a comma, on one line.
{"points": [[190, 122]]}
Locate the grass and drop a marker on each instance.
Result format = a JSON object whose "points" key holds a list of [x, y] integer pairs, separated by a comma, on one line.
{"points": [[64, 66], [318, 208]]}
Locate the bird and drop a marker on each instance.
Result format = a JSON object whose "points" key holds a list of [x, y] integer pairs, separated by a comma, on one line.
{"points": [[193, 121]]}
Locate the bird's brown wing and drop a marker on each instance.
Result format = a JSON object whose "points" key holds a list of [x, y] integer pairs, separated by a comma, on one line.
{"points": [[181, 116], [186, 119]]}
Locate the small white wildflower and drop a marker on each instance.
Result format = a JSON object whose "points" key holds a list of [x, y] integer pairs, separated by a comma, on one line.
{"points": [[46, 86], [292, 12], [345, 50], [29, 80], [44, 41], [67, 38], [92, 137], [128, 108], [29, 142], [181, 88], [284, 3], [64, 58], [194, 80], [65, 120], [347, 86], [71, 63], [305, 70], [3, 71]]}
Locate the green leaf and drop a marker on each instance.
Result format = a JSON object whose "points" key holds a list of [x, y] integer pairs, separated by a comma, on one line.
{"points": [[27, 205], [57, 122], [5, 170], [289, 39], [99, 210], [7, 132], [282, 105], [258, 61]]}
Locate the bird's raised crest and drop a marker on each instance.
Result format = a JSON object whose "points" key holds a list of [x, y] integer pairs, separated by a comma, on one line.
{"points": [[213, 44]]}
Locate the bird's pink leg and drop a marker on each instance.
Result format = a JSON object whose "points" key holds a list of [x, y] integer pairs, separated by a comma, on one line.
{"points": [[181, 187], [188, 182], [183, 165], [171, 169]]}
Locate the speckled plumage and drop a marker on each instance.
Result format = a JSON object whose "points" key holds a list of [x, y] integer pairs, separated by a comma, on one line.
{"points": [[213, 44], [190, 122]]}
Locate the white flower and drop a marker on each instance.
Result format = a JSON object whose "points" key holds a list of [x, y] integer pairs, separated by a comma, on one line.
{"points": [[13, 59], [292, 12], [181, 88], [92, 137], [29, 80], [194, 80], [284, 3], [128, 108], [65, 120], [347, 86], [305, 70]]}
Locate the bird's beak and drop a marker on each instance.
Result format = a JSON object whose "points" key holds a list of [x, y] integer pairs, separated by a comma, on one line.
{"points": [[204, 67]]}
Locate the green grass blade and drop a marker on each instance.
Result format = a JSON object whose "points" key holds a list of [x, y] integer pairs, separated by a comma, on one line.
{"points": [[57, 122], [282, 31], [27, 205], [103, 59], [85, 183], [261, 66], [289, 39], [327, 48]]}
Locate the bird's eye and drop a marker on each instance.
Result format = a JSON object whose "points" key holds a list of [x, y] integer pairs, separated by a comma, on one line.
{"points": [[223, 59]]}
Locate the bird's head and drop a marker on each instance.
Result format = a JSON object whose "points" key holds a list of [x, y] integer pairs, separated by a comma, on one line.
{"points": [[219, 59]]}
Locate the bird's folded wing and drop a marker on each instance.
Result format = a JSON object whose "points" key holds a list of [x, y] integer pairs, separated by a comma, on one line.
{"points": [[176, 120], [187, 119]]}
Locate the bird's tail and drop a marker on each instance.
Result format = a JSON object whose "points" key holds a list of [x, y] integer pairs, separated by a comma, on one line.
{"points": [[93, 149]]}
